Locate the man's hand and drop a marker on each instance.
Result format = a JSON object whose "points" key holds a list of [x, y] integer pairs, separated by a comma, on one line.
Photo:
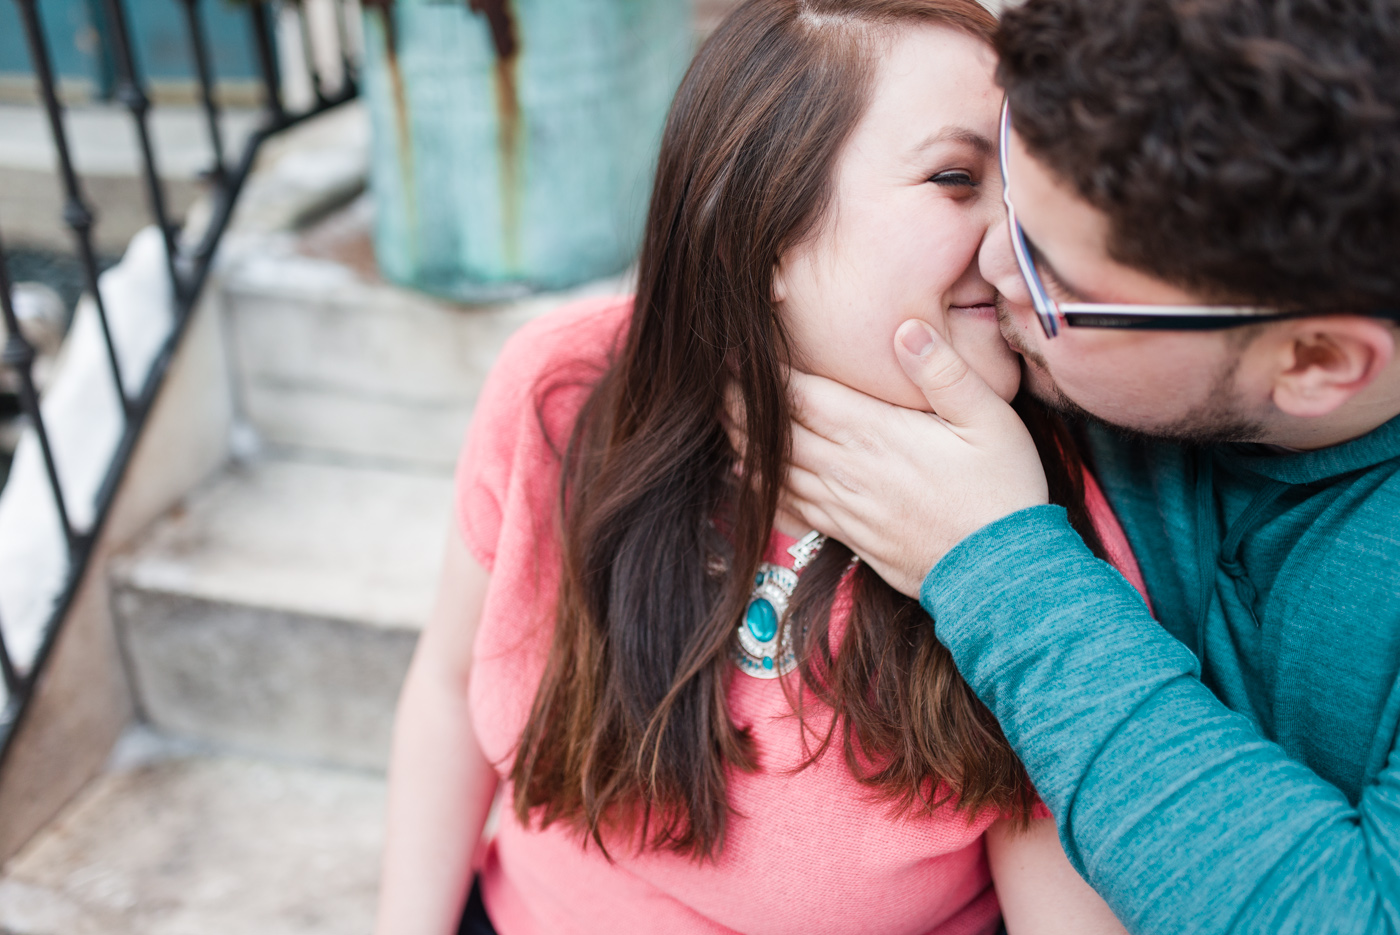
{"points": [[902, 487]]}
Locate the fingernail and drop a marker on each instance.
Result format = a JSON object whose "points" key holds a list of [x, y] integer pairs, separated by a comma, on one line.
{"points": [[916, 337]]}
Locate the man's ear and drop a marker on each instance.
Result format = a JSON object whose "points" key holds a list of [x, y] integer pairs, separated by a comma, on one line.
{"points": [[1323, 362]]}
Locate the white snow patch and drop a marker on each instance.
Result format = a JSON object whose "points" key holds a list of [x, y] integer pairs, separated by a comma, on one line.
{"points": [[84, 422]]}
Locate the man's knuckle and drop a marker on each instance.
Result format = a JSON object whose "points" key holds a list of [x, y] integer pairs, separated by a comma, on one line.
{"points": [[947, 372], [845, 479]]}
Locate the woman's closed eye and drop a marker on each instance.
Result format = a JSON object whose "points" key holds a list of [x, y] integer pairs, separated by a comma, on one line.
{"points": [[954, 178]]}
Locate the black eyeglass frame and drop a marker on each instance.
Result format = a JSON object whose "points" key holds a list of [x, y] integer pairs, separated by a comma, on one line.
{"points": [[1053, 314]]}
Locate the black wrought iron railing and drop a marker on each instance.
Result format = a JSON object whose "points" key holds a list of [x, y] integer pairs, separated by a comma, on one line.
{"points": [[188, 259]]}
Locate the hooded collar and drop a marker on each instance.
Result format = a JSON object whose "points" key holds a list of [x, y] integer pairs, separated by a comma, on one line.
{"points": [[1379, 445]]}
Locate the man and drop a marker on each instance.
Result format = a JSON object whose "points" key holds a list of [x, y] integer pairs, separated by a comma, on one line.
{"points": [[1228, 170]]}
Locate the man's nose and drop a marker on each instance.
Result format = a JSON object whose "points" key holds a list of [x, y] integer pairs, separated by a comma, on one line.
{"points": [[997, 263]]}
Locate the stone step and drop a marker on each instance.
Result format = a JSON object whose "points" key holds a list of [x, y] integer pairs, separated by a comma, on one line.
{"points": [[203, 843], [329, 359], [275, 612]]}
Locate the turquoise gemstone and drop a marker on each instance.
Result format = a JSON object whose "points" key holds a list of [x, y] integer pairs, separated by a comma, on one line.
{"points": [[767, 662], [762, 620]]}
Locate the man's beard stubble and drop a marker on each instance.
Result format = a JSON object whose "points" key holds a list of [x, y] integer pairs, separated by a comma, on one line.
{"points": [[1215, 422]]}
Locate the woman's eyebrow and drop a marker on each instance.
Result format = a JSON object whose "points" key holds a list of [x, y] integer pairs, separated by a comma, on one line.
{"points": [[977, 141]]}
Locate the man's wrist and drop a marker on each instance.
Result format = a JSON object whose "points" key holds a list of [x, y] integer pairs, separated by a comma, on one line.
{"points": [[967, 559]]}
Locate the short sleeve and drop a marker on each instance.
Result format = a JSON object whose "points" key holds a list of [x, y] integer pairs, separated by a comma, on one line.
{"points": [[508, 467]]}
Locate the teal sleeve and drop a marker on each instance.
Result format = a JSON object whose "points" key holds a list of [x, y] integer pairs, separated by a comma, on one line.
{"points": [[1173, 807]]}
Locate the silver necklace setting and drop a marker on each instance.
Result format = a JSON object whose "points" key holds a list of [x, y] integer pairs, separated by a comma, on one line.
{"points": [[764, 647]]}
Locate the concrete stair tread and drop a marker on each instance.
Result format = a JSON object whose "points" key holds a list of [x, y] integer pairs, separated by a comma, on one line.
{"points": [[354, 543], [217, 845], [330, 359]]}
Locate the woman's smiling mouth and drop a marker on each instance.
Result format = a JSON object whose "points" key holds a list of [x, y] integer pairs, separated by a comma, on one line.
{"points": [[983, 308]]}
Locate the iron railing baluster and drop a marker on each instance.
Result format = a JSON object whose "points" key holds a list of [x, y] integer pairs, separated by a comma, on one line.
{"points": [[16, 687], [131, 93], [342, 35], [195, 268], [76, 213], [267, 60], [18, 355], [200, 55], [308, 51], [224, 199]]}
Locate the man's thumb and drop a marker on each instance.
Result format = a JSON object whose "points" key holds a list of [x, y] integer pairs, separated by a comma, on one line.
{"points": [[953, 390]]}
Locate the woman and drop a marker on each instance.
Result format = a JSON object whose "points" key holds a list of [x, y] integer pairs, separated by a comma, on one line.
{"points": [[693, 736]]}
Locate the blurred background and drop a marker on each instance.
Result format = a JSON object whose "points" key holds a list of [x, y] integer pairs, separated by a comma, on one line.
{"points": [[256, 258]]}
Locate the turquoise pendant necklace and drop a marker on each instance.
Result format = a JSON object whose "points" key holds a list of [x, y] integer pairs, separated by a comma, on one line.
{"points": [[764, 647]]}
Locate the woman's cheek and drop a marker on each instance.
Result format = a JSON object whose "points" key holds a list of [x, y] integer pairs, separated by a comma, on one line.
{"points": [[995, 363], [870, 366]]}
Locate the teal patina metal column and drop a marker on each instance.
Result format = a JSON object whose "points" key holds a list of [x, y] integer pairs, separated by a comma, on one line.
{"points": [[514, 140]]}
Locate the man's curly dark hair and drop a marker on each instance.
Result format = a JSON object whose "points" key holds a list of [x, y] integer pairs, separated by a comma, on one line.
{"points": [[1246, 149]]}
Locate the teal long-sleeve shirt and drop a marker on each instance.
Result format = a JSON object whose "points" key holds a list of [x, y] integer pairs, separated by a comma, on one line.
{"points": [[1230, 766]]}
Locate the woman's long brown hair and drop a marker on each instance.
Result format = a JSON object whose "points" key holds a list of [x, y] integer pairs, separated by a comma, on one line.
{"points": [[663, 527]]}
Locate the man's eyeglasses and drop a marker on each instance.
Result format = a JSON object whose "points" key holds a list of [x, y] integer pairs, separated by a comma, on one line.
{"points": [[1053, 314]]}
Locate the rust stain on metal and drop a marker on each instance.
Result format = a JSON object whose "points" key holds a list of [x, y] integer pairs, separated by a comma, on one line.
{"points": [[402, 122], [501, 21]]}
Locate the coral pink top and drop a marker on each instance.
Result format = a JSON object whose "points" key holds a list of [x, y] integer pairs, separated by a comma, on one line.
{"points": [[806, 851]]}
